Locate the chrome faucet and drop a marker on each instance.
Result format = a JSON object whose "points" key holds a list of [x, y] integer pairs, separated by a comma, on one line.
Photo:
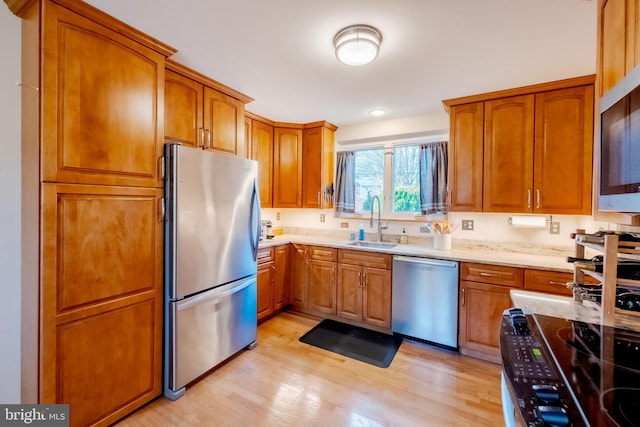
{"points": [[380, 226]]}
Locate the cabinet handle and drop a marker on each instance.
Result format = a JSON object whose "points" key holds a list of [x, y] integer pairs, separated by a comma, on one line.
{"points": [[537, 198], [161, 168], [319, 204], [482, 273], [209, 139], [462, 302], [161, 209], [201, 137], [552, 282], [529, 198], [364, 280], [359, 279]]}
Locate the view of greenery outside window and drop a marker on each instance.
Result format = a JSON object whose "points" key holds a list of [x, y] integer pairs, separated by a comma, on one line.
{"points": [[369, 177], [397, 179], [406, 179]]}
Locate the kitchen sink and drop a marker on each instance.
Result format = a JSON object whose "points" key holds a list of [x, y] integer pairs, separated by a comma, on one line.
{"points": [[374, 245]]}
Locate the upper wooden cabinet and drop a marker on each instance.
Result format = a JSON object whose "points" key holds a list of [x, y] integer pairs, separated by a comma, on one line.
{"points": [[317, 165], [523, 150], [261, 149], [618, 41], [303, 165], [287, 167], [102, 94], [465, 146], [201, 112]]}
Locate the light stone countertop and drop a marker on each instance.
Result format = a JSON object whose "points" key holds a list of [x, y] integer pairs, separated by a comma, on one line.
{"points": [[567, 308], [482, 253]]}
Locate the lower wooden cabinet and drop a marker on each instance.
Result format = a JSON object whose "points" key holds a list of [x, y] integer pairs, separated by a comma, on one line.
{"points": [[484, 295], [364, 287], [299, 284], [101, 302], [272, 280], [322, 286]]}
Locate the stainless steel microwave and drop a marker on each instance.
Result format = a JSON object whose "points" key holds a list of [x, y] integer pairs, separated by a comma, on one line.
{"points": [[620, 146]]}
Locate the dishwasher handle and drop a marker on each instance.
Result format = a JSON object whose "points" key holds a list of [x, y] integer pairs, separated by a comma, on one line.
{"points": [[426, 261]]}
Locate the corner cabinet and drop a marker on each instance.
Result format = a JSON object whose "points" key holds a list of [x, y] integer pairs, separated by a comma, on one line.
{"points": [[303, 165], [260, 137], [92, 194], [525, 150], [201, 112]]}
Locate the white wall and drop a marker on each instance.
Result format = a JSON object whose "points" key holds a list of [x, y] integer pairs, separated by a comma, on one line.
{"points": [[10, 209]]}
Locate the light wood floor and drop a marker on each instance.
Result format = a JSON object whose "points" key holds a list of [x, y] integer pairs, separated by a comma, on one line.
{"points": [[283, 382]]}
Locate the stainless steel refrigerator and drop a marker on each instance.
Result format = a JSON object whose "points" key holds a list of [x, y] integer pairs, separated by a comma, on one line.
{"points": [[211, 242]]}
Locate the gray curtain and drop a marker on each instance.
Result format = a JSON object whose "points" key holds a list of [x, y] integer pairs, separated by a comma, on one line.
{"points": [[345, 196], [433, 177]]}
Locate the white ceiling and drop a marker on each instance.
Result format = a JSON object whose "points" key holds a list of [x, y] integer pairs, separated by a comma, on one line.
{"points": [[280, 52]]}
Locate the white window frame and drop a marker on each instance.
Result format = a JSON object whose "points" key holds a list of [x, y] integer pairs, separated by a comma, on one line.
{"points": [[387, 183]]}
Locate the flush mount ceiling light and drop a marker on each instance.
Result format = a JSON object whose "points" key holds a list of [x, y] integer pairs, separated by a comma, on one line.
{"points": [[357, 44], [377, 112]]}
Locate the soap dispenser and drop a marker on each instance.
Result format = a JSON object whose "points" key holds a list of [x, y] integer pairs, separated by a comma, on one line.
{"points": [[361, 232]]}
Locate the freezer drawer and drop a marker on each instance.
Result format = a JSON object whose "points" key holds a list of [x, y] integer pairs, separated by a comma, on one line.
{"points": [[208, 328]]}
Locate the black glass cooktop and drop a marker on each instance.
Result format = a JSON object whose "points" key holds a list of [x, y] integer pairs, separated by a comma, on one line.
{"points": [[601, 367]]}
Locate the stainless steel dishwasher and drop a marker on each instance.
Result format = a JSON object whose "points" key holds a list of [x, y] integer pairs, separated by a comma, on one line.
{"points": [[425, 299]]}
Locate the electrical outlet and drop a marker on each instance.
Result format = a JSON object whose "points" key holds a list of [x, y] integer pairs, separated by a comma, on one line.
{"points": [[278, 216], [467, 224], [321, 217], [555, 228], [344, 225]]}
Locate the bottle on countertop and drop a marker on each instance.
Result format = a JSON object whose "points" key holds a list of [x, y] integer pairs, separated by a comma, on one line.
{"points": [[403, 237], [361, 232]]}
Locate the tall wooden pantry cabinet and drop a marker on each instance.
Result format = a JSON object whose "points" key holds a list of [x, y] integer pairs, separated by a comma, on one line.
{"points": [[93, 96]]}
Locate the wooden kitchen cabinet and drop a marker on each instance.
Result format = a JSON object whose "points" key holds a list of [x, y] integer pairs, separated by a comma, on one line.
{"points": [[466, 147], [508, 154], [262, 152], [299, 283], [317, 165], [322, 279], [287, 167], [364, 288], [201, 112], [536, 152], [92, 198], [265, 283], [618, 41], [553, 282], [272, 280], [484, 295]]}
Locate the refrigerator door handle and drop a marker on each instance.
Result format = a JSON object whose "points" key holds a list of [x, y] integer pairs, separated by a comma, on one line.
{"points": [[255, 211], [215, 294]]}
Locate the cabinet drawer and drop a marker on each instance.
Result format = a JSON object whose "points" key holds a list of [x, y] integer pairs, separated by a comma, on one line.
{"points": [[265, 255], [364, 258], [547, 281], [493, 274], [322, 253]]}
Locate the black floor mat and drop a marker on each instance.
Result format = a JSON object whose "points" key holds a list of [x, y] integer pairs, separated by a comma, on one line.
{"points": [[361, 344]]}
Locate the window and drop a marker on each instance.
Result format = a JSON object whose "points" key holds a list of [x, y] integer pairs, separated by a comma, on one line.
{"points": [[409, 179]]}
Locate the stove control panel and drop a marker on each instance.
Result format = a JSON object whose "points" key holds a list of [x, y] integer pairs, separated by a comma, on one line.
{"points": [[537, 390]]}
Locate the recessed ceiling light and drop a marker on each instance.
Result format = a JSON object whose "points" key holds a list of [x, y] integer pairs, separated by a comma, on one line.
{"points": [[377, 112], [357, 44]]}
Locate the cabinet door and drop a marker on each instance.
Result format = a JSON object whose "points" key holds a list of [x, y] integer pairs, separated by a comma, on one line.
{"points": [[280, 280], [563, 151], [322, 286], [265, 282], [317, 167], [182, 109], [376, 301], [262, 151], [224, 123], [508, 154], [299, 284], [287, 168], [613, 42], [481, 307], [465, 157], [101, 302], [102, 98], [350, 292]]}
